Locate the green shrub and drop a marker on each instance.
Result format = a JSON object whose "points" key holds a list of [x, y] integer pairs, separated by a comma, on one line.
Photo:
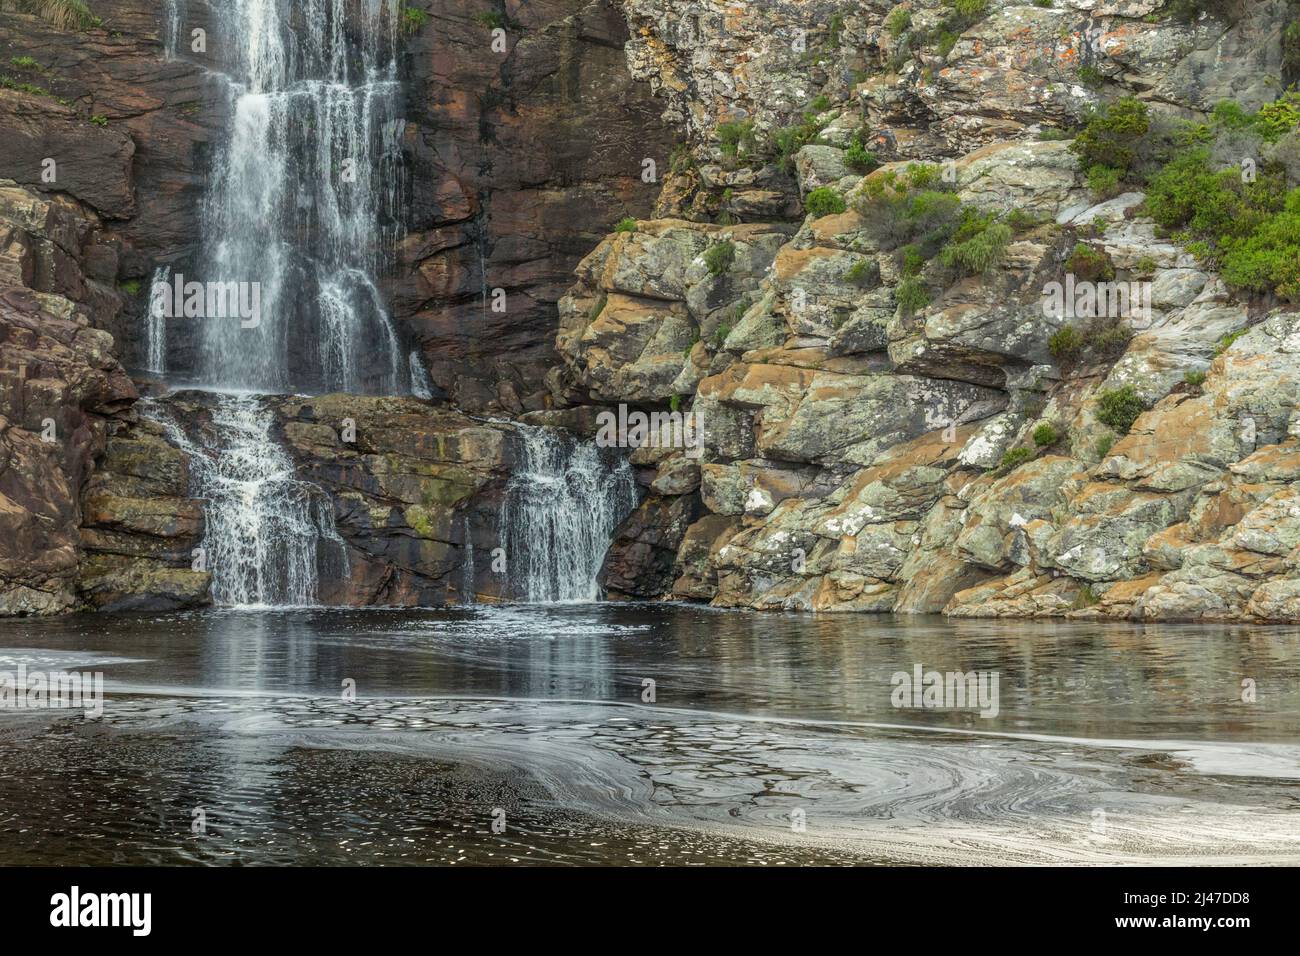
{"points": [[970, 8], [1103, 181], [1109, 136], [899, 19], [674, 402], [1119, 408], [1089, 264], [824, 201], [1274, 120], [1050, 134], [720, 333], [130, 286], [1046, 435], [946, 41], [911, 295], [904, 208], [99, 120], [790, 140], [858, 158], [1107, 337], [1091, 77], [1104, 444], [413, 18], [1013, 458], [1194, 379], [720, 256], [1065, 343], [492, 19], [24, 62], [626, 224]]}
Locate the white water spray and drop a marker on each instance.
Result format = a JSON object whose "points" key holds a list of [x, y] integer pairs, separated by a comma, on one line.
{"points": [[267, 533], [561, 507]]}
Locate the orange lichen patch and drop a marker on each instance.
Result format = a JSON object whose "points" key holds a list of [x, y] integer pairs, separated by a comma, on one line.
{"points": [[827, 228]]}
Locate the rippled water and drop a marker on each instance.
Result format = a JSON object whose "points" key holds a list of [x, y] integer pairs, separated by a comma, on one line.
{"points": [[771, 739]]}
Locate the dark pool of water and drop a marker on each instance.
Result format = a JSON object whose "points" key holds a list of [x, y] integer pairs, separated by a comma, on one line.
{"points": [[770, 739]]}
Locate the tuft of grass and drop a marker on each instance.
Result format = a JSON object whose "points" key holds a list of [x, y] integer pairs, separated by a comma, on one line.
{"points": [[911, 295], [130, 286], [1089, 264], [736, 138], [1194, 379], [1104, 444], [899, 21], [626, 224], [978, 245], [63, 14], [99, 120], [1225, 343]]}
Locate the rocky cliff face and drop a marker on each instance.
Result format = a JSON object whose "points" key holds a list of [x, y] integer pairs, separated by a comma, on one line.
{"points": [[889, 420], [887, 426]]}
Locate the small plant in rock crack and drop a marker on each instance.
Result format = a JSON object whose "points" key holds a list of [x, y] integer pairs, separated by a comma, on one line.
{"points": [[413, 18], [626, 224], [1012, 459], [719, 257], [1046, 435]]}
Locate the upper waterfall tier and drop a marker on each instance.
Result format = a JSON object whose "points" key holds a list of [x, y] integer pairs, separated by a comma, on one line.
{"points": [[304, 197]]}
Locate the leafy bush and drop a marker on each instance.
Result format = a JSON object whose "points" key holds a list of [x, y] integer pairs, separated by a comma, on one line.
{"points": [[1119, 408], [720, 256], [906, 208], [1103, 181], [1065, 343], [1109, 135], [413, 18], [858, 158], [1107, 337], [1046, 435], [626, 224], [24, 62], [1089, 264], [971, 8], [99, 120], [824, 201]]}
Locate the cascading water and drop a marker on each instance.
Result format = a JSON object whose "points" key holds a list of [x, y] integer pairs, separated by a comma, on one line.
{"points": [[562, 505], [305, 197], [267, 533], [303, 204], [156, 330]]}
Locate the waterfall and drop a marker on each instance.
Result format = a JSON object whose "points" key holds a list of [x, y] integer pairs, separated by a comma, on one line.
{"points": [[305, 196], [156, 327], [561, 507], [468, 593], [267, 533]]}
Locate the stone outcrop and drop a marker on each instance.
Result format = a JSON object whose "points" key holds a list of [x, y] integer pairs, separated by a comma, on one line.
{"points": [[864, 455], [61, 392]]}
